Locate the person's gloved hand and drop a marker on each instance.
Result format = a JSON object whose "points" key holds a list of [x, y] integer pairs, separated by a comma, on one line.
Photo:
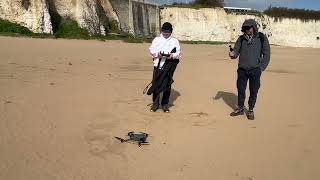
{"points": [[232, 55]]}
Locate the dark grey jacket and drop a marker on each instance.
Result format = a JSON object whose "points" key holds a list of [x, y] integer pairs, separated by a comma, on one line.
{"points": [[252, 55]]}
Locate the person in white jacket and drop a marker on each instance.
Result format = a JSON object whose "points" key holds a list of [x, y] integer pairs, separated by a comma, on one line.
{"points": [[164, 48]]}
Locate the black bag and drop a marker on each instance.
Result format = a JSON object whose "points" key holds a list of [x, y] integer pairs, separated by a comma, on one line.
{"points": [[162, 77]]}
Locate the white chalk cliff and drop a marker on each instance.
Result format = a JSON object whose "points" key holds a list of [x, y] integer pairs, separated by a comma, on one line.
{"points": [[33, 14], [189, 24], [92, 15], [216, 25]]}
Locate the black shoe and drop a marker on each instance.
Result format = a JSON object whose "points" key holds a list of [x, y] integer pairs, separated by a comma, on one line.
{"points": [[165, 108], [154, 107], [250, 115], [237, 112]]}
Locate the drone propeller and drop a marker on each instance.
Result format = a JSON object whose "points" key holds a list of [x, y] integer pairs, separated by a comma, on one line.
{"points": [[121, 140], [143, 143]]}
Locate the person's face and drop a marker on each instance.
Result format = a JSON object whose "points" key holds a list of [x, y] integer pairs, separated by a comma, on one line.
{"points": [[249, 31], [166, 34]]}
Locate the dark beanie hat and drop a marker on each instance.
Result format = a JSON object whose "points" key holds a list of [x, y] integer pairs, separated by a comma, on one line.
{"points": [[166, 27]]}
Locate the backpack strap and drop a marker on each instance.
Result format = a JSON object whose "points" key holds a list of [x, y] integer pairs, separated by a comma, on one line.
{"points": [[261, 37], [242, 38]]}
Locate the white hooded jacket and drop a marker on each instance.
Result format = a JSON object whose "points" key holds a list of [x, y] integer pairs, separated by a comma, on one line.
{"points": [[161, 44]]}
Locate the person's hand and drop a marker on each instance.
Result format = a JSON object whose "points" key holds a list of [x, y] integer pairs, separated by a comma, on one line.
{"points": [[231, 54], [155, 55], [159, 55], [171, 56]]}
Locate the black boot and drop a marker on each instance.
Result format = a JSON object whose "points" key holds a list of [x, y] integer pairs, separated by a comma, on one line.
{"points": [[165, 108], [154, 107], [237, 112], [250, 114]]}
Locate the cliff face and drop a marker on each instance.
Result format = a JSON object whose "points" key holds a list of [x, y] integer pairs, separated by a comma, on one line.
{"points": [[33, 14], [217, 25], [92, 15], [143, 19], [39, 16], [137, 17], [294, 32]]}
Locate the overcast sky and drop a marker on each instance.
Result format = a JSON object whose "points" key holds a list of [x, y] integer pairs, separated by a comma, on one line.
{"points": [[260, 4]]}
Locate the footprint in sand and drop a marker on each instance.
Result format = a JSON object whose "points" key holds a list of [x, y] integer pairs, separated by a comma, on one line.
{"points": [[7, 102], [101, 142], [199, 114], [294, 125], [247, 178], [203, 123], [281, 71], [200, 120], [127, 101]]}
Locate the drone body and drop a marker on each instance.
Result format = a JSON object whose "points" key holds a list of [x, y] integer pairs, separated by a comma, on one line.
{"points": [[140, 138]]}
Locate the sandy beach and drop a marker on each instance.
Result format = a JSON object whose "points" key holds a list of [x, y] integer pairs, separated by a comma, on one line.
{"points": [[63, 101]]}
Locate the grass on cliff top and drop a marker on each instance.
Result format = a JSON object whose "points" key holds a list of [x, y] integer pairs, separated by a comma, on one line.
{"points": [[302, 14]]}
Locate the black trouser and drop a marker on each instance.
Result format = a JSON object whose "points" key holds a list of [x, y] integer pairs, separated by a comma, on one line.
{"points": [[166, 93], [254, 84], [165, 97]]}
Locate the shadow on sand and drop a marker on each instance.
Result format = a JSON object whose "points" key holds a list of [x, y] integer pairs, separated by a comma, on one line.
{"points": [[173, 97], [229, 98]]}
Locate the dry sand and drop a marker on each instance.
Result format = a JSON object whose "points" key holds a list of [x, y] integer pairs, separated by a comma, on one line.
{"points": [[62, 101]]}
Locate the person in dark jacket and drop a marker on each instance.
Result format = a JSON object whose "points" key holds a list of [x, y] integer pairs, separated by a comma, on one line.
{"points": [[253, 50]]}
